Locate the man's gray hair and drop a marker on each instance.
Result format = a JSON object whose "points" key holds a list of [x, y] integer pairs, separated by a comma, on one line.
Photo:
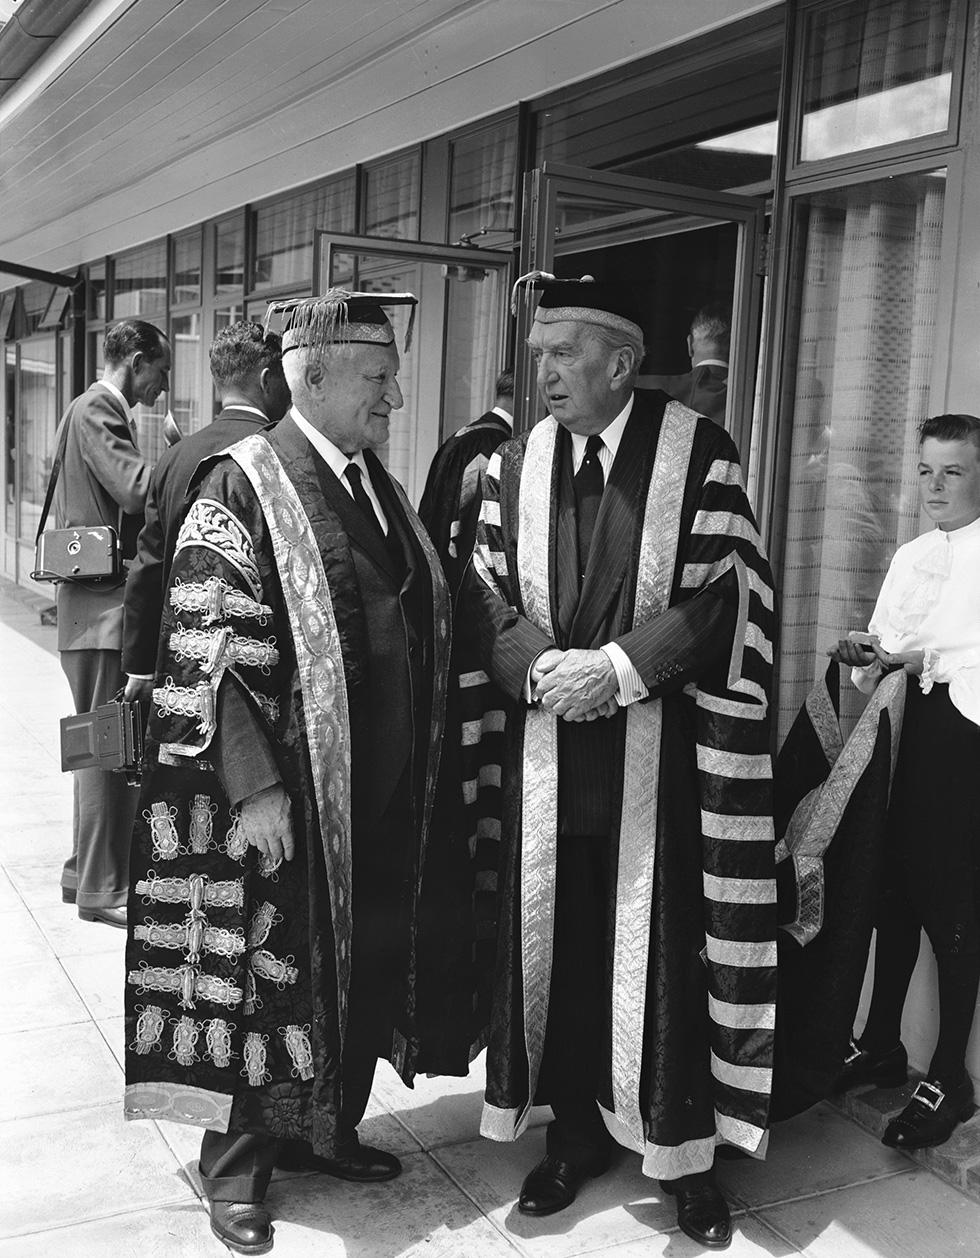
{"points": [[612, 340]]}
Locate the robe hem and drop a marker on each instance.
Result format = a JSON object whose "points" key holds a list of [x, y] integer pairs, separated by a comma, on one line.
{"points": [[178, 1103]]}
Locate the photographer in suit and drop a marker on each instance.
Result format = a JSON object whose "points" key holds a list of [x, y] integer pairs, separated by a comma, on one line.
{"points": [[104, 481]]}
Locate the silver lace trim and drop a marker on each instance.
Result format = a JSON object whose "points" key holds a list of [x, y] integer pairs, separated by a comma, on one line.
{"points": [[199, 891], [149, 1028], [211, 526], [297, 1040], [188, 981], [217, 600], [214, 647]]}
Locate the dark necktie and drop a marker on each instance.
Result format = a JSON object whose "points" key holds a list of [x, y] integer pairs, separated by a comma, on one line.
{"points": [[588, 482], [353, 474]]}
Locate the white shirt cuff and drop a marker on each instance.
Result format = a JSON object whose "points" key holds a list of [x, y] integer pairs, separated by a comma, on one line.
{"points": [[140, 676], [631, 687]]}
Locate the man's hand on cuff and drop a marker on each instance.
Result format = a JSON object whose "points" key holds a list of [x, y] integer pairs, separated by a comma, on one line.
{"points": [[266, 821]]}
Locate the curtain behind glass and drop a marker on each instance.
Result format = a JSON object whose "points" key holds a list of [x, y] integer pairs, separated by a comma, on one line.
{"points": [[868, 281], [38, 421]]}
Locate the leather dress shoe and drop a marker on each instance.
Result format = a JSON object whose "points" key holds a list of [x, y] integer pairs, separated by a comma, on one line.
{"points": [[930, 1116], [244, 1226], [109, 916], [554, 1183], [358, 1163], [702, 1212], [885, 1070]]}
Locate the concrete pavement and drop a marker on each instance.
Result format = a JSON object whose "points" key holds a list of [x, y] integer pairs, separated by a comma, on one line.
{"points": [[76, 1180]]}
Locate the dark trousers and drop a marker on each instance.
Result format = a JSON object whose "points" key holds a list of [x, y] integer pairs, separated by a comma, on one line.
{"points": [[932, 879], [97, 872], [578, 1019]]}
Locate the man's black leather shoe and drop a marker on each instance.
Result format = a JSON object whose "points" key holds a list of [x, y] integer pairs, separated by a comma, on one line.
{"points": [[702, 1212], [553, 1184], [358, 1163], [930, 1116], [884, 1070], [110, 917], [244, 1226]]}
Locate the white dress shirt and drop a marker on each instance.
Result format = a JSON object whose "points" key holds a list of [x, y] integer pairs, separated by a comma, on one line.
{"points": [[337, 461], [506, 416], [930, 602], [118, 393]]}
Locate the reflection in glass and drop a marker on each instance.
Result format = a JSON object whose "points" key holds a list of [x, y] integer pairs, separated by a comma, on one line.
{"points": [[140, 286], [96, 291], [38, 403], [876, 73], [481, 189], [284, 232], [391, 198], [185, 386], [229, 252], [187, 268], [862, 334]]}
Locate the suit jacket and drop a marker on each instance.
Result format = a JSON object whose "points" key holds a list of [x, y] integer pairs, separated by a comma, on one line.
{"points": [[166, 505], [103, 474], [390, 638], [704, 389], [667, 651]]}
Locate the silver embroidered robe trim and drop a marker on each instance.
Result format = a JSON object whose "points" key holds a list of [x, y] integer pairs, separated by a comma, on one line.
{"points": [[211, 526], [818, 814], [217, 600], [320, 667]]}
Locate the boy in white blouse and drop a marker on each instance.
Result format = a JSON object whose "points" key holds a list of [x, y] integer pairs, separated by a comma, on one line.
{"points": [[927, 621]]}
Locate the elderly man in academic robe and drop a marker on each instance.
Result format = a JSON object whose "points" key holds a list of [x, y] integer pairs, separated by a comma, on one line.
{"points": [[284, 829], [625, 609]]}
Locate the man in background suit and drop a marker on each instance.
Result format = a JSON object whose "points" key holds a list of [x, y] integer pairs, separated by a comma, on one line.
{"points": [[292, 753], [705, 387], [246, 366], [624, 606], [104, 481], [451, 499]]}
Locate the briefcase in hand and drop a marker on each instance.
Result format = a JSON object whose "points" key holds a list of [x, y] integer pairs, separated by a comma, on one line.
{"points": [[110, 738]]}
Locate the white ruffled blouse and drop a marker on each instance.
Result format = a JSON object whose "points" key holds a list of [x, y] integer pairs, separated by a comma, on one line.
{"points": [[930, 601]]}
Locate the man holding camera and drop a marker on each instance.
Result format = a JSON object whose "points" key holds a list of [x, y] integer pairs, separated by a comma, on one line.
{"points": [[103, 481]]}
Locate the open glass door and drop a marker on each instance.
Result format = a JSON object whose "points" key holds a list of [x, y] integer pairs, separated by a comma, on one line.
{"points": [[678, 248], [459, 340]]}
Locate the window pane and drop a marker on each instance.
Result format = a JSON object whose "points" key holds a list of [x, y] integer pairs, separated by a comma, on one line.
{"points": [[187, 269], [481, 192], [225, 318], [185, 388], [284, 232], [720, 136], [38, 420], [876, 73], [140, 288], [391, 198], [862, 336], [229, 252], [96, 291]]}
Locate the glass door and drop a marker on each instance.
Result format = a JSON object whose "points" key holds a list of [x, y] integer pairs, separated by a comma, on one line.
{"points": [[680, 249], [459, 340]]}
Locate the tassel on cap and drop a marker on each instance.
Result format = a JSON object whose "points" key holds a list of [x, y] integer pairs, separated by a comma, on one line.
{"points": [[340, 317]]}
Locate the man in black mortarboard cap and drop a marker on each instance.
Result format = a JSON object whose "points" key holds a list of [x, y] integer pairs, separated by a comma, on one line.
{"points": [[624, 605], [288, 813]]}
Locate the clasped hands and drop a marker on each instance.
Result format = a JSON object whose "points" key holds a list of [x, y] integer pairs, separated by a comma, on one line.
{"points": [[858, 653], [575, 685]]}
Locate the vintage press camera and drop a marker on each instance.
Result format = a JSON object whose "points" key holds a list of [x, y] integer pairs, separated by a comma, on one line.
{"points": [[109, 738]]}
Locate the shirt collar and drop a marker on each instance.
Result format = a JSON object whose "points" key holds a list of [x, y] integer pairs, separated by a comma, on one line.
{"points": [[710, 362], [334, 457], [118, 393], [506, 416], [252, 410], [968, 530], [611, 435]]}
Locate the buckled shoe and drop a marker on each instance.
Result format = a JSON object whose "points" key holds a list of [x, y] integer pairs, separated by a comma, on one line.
{"points": [[862, 1065], [243, 1226], [554, 1184], [930, 1116], [702, 1211]]}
